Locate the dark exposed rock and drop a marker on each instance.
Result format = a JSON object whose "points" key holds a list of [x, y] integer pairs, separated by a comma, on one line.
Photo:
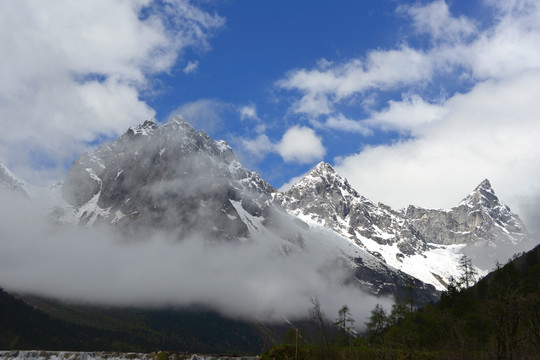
{"points": [[166, 177]]}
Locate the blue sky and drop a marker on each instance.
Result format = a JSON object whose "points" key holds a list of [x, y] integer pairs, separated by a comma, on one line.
{"points": [[413, 102], [259, 44], [262, 41]]}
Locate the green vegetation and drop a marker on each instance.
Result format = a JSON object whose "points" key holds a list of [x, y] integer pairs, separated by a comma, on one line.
{"points": [[51, 325], [498, 318]]}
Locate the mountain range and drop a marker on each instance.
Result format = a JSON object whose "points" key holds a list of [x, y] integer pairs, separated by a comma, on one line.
{"points": [[175, 179]]}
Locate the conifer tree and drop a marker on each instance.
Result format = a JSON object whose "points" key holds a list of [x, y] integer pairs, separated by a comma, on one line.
{"points": [[468, 272]]}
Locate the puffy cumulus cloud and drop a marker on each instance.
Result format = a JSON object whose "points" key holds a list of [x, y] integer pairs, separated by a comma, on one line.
{"points": [[467, 55], [259, 146], [507, 49], [436, 20], [490, 132], [300, 144], [72, 73]]}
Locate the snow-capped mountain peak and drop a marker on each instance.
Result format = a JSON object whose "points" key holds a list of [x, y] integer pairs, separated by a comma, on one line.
{"points": [[485, 211], [483, 195], [324, 197], [11, 182], [400, 237], [322, 193], [160, 175], [146, 128], [172, 177]]}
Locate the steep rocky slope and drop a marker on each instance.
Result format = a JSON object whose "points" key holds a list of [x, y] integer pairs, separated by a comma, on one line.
{"points": [[478, 218], [424, 243], [175, 179], [167, 177], [9, 182]]}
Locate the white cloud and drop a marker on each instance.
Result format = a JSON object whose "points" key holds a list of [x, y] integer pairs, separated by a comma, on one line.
{"points": [[509, 48], [300, 144], [490, 132], [486, 129], [435, 19], [407, 115], [259, 146], [340, 122], [325, 87], [506, 48], [73, 72], [191, 67], [248, 112], [245, 280]]}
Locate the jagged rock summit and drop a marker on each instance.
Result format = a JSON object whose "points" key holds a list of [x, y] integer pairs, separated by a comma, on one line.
{"points": [[166, 177], [479, 218], [324, 197], [424, 243]]}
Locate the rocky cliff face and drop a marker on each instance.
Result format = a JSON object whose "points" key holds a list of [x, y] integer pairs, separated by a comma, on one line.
{"points": [[478, 218], [167, 177], [424, 243], [324, 197]]}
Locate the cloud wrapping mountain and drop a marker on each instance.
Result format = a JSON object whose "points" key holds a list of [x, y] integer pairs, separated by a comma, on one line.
{"points": [[167, 216]]}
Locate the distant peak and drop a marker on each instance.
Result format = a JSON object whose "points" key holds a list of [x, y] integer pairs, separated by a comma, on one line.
{"points": [[324, 173], [178, 119], [146, 128], [486, 185], [482, 194], [484, 188], [323, 167], [149, 123]]}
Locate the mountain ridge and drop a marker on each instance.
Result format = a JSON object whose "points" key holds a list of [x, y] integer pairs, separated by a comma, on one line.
{"points": [[173, 178], [398, 236], [10, 182]]}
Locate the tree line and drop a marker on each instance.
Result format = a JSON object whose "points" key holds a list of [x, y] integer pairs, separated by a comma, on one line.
{"points": [[497, 317]]}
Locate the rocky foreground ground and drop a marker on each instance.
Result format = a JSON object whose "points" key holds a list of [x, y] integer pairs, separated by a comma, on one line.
{"points": [[69, 355]]}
